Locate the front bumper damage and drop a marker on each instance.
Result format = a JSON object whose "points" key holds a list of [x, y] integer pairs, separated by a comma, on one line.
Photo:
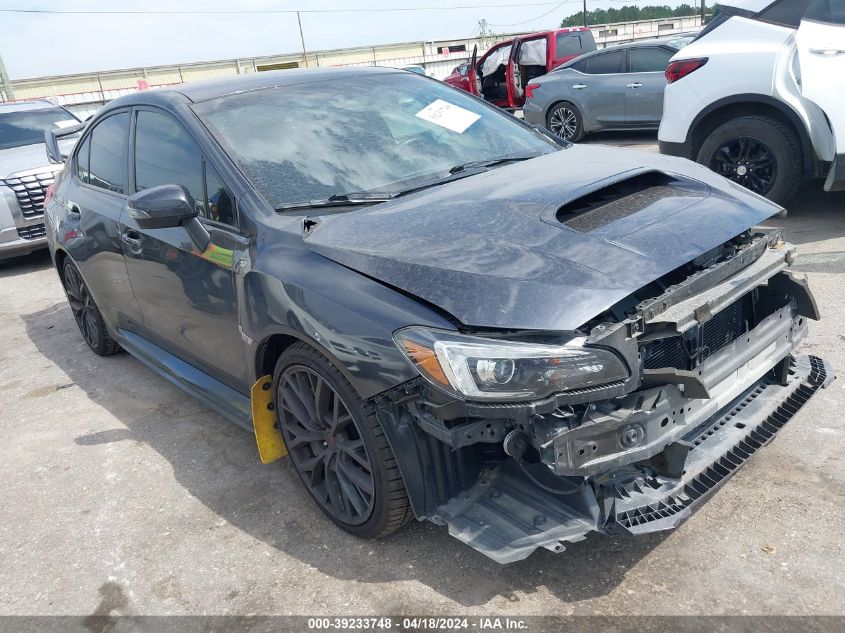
{"points": [[507, 515], [631, 457]]}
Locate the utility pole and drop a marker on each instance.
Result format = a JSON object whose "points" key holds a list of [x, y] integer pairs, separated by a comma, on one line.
{"points": [[302, 39], [585, 12], [486, 36], [5, 82], [703, 9]]}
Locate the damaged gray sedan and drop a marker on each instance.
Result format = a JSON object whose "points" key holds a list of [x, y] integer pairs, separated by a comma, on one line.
{"points": [[434, 309]]}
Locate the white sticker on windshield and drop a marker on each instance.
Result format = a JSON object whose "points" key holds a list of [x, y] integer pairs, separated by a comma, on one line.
{"points": [[63, 124], [448, 115]]}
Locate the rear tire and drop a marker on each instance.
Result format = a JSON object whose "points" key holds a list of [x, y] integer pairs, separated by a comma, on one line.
{"points": [[337, 446], [565, 120], [87, 314], [757, 152]]}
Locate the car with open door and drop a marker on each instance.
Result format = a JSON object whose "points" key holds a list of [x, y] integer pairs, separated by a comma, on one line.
{"points": [[459, 77], [434, 309], [758, 95], [501, 74], [617, 88]]}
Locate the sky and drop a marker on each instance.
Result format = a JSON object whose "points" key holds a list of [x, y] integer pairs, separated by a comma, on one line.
{"points": [[35, 45]]}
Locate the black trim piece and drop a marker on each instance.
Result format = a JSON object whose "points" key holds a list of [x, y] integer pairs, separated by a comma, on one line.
{"points": [[682, 149], [231, 404], [836, 176], [678, 505]]}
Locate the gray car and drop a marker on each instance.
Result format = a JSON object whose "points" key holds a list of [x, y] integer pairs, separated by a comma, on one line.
{"points": [[619, 88], [25, 173]]}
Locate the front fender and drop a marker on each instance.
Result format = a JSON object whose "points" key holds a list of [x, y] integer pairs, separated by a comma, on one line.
{"points": [[349, 317]]}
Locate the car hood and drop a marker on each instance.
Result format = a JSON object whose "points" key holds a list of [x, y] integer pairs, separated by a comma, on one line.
{"points": [[515, 248], [25, 158]]}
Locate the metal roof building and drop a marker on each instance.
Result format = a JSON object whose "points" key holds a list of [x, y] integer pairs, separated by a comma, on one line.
{"points": [[84, 92]]}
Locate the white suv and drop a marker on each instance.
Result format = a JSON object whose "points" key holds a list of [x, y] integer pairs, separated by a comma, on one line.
{"points": [[759, 95], [25, 173]]}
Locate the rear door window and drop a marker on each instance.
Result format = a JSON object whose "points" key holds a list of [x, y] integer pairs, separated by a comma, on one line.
{"points": [[569, 44], [829, 11], [649, 59], [605, 63], [784, 12], [107, 162]]}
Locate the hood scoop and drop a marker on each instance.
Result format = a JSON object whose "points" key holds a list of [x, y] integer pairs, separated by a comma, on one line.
{"points": [[650, 195]]}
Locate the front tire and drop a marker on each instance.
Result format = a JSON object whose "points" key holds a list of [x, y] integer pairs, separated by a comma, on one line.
{"points": [[87, 314], [337, 446], [565, 120], [757, 152]]}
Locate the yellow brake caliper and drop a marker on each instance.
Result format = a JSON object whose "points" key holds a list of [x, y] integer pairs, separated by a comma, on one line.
{"points": [[271, 445]]}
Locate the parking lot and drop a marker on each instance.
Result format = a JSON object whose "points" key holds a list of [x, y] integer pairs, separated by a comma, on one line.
{"points": [[122, 495]]}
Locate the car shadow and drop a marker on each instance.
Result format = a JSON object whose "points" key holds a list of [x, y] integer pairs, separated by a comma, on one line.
{"points": [[217, 463], [621, 138], [25, 264], [814, 216]]}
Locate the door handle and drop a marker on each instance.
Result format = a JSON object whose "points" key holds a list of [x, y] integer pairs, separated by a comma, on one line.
{"points": [[827, 52], [579, 86], [634, 85], [132, 239], [72, 208]]}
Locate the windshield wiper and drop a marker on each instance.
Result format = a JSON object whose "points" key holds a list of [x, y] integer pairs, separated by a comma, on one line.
{"points": [[489, 163], [364, 198], [339, 200]]}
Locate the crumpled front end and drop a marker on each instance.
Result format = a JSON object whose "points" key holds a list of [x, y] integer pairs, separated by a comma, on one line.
{"points": [[714, 377]]}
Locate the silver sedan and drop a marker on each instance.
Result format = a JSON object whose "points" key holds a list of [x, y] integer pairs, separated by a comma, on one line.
{"points": [[619, 88]]}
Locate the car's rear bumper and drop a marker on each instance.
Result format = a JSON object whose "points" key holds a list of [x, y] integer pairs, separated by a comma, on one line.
{"points": [[682, 150], [513, 510]]}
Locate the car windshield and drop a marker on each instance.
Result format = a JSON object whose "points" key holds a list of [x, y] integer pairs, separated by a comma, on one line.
{"points": [[26, 127], [362, 133]]}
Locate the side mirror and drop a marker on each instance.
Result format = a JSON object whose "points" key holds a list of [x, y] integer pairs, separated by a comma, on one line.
{"points": [[60, 142], [168, 206], [162, 207]]}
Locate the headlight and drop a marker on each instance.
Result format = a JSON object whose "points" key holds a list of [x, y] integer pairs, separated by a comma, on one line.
{"points": [[496, 369]]}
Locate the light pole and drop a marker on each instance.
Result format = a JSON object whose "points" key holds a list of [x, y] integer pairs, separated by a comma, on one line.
{"points": [[585, 12], [5, 83], [302, 39]]}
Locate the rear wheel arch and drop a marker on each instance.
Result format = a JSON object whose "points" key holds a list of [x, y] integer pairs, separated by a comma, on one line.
{"points": [[576, 109], [724, 110], [59, 262]]}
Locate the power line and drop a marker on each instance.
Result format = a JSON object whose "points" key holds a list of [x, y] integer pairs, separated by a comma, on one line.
{"points": [[266, 11], [552, 10]]}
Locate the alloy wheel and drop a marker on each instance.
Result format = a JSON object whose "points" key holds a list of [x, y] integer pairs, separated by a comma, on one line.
{"points": [[563, 122], [748, 162], [82, 306], [325, 445]]}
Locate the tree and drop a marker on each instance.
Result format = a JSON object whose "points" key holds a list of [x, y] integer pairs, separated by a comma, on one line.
{"points": [[631, 13]]}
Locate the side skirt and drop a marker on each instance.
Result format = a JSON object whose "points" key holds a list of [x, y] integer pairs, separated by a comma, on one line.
{"points": [[231, 404]]}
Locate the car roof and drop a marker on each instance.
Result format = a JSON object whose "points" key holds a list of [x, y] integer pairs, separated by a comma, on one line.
{"points": [[214, 88], [665, 41], [31, 104], [636, 44], [199, 91]]}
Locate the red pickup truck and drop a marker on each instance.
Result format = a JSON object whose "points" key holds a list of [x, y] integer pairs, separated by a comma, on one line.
{"points": [[502, 73]]}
